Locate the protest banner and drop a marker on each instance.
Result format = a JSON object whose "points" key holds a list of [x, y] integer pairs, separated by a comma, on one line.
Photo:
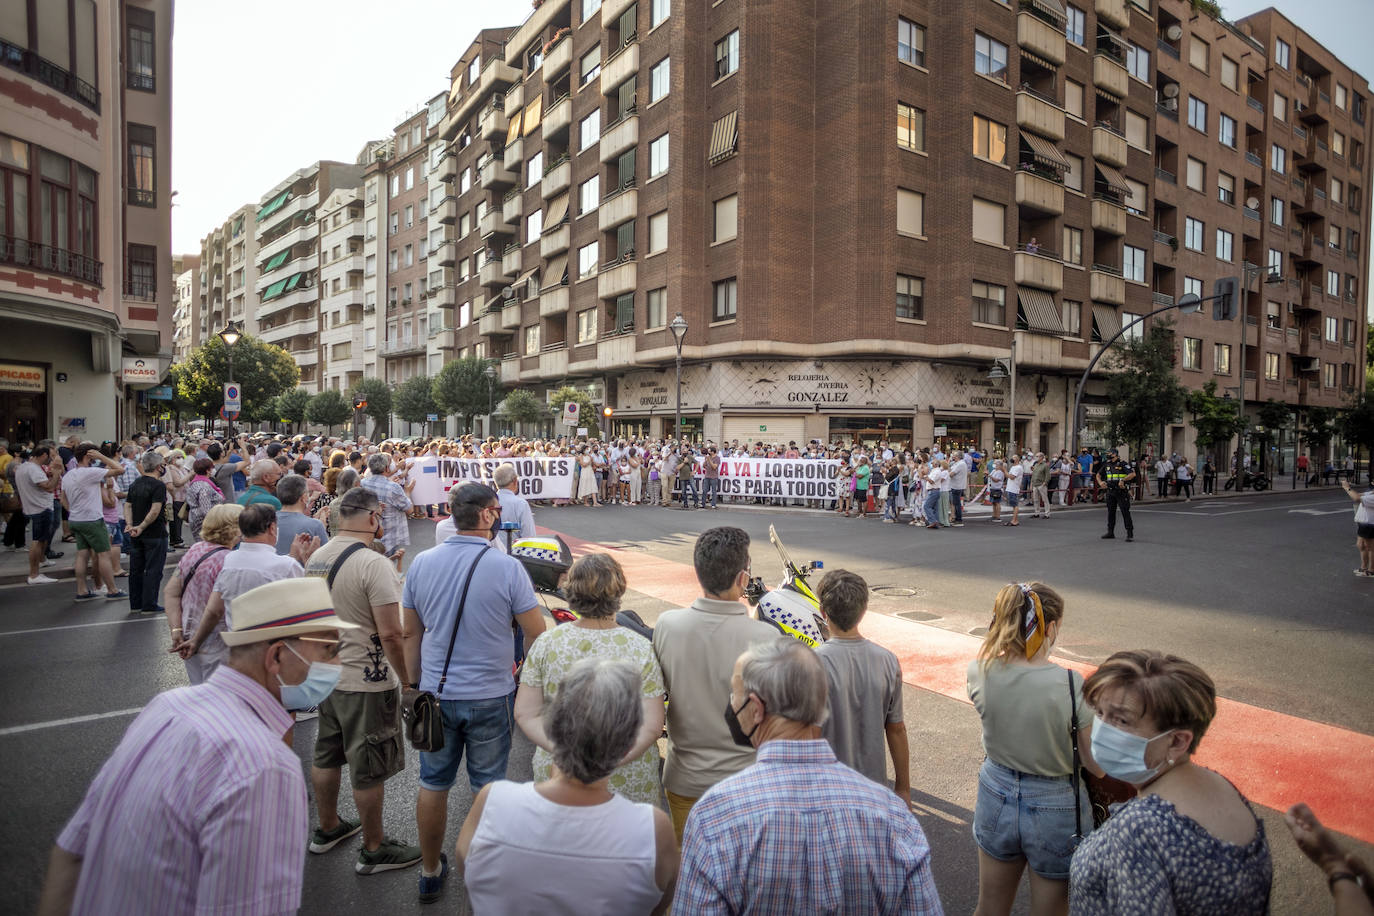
{"points": [[537, 478], [787, 478]]}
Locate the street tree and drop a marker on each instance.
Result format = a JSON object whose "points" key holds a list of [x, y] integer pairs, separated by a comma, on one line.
{"points": [[462, 388], [1273, 416], [291, 407], [1144, 392], [585, 408], [1321, 427], [521, 406], [329, 408], [1357, 423], [414, 400], [262, 370], [377, 393], [1215, 419]]}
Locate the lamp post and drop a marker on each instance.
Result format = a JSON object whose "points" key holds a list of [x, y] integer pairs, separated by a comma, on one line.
{"points": [[679, 328], [230, 335], [490, 373], [1007, 369], [1247, 271]]}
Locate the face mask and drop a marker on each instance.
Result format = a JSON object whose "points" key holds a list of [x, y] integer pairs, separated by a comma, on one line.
{"points": [[319, 683], [1122, 754], [737, 732]]}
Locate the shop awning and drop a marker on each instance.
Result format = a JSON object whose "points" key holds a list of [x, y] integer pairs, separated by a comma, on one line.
{"points": [[1114, 179], [557, 273], [274, 290], [558, 211], [1045, 151], [513, 133], [533, 112], [1106, 322], [1038, 312], [277, 260], [724, 138], [273, 205]]}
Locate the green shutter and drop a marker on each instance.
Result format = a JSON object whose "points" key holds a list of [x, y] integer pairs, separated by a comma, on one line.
{"points": [[277, 260], [294, 282], [274, 290], [273, 205]]}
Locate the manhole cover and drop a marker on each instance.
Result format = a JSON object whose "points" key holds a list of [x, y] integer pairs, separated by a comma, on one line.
{"points": [[919, 615], [897, 591]]}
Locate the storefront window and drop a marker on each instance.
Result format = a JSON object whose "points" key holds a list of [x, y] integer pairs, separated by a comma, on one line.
{"points": [[960, 433], [871, 430]]}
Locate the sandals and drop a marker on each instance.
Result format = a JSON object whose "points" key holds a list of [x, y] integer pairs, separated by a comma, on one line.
{"points": [[69, 539], [1011, 524]]}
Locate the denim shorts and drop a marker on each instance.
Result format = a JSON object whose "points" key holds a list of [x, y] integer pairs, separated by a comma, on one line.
{"points": [[482, 729], [1021, 816], [1013, 498], [43, 525]]}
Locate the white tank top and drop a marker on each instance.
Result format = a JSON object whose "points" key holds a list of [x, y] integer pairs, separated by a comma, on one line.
{"points": [[596, 860]]}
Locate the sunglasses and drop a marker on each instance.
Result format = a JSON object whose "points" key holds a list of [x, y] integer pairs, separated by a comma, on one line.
{"points": [[333, 645]]}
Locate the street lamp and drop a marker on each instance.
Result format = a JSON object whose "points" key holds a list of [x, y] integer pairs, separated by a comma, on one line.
{"points": [[230, 335], [1007, 369], [490, 373], [679, 328]]}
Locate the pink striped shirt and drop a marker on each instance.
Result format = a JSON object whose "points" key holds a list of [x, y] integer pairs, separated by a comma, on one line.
{"points": [[200, 809]]}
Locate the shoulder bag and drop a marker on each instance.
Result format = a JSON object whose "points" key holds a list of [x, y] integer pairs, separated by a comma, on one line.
{"points": [[1103, 791], [424, 721], [207, 555]]}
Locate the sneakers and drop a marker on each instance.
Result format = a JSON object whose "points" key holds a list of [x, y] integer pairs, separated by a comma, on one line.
{"points": [[45, 564], [89, 596], [392, 854], [321, 841], [116, 595], [40, 579], [1363, 574], [1108, 536], [432, 888]]}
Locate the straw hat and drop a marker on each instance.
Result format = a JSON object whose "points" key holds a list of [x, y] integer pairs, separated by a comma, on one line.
{"points": [[282, 609]]}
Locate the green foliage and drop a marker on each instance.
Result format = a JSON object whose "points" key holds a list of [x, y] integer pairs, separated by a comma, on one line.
{"points": [[462, 388], [1321, 426], [1215, 419], [521, 406], [1357, 421], [1210, 7], [329, 408], [291, 405], [414, 400], [1145, 393], [1273, 415], [262, 370], [586, 409], [379, 400]]}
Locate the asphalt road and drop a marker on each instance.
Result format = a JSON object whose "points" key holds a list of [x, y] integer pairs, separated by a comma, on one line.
{"points": [[1257, 590]]}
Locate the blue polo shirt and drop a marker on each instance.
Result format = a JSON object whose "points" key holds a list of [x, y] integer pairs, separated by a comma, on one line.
{"points": [[485, 651]]}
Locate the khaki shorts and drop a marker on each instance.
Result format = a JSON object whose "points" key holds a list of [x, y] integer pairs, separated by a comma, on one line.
{"points": [[364, 731], [91, 536]]}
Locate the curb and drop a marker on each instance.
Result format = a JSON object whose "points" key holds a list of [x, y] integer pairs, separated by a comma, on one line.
{"points": [[60, 573]]}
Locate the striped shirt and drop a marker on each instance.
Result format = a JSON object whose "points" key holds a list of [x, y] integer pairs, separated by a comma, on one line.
{"points": [[800, 832], [200, 809], [395, 505]]}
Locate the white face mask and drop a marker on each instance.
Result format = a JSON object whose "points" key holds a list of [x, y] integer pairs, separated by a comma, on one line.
{"points": [[1122, 754]]}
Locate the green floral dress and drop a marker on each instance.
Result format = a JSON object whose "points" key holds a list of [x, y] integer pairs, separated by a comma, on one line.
{"points": [[551, 658]]}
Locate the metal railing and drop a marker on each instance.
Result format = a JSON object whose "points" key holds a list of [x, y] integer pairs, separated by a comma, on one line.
{"points": [[1163, 299], [140, 197], [144, 290], [1167, 48], [143, 82], [1253, 158], [1165, 238], [1254, 103], [49, 74], [1166, 175], [1170, 113], [23, 253]]}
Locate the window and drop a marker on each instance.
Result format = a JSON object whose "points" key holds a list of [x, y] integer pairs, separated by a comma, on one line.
{"points": [[1138, 61], [464, 224], [1329, 375], [410, 178], [1073, 178], [989, 222], [1193, 286], [656, 308], [658, 232], [532, 340], [1074, 24], [911, 297], [911, 43], [1278, 158], [1280, 107], [393, 260], [1271, 367], [911, 127], [989, 140], [409, 214], [723, 299], [591, 66], [1221, 359], [141, 65], [1337, 143], [1198, 51], [1275, 261], [586, 326], [1137, 130], [589, 7], [395, 224], [1137, 197], [1072, 314], [1230, 73], [1135, 330], [1337, 192], [1133, 263], [1192, 353], [989, 303], [989, 57], [1341, 97], [1276, 211], [1073, 245], [142, 166], [1333, 283], [726, 223], [462, 270], [534, 226], [1281, 50], [727, 55], [395, 184], [465, 182], [1333, 237], [658, 11], [658, 81], [1197, 113], [1349, 327], [142, 280], [1226, 130], [658, 156], [589, 195], [409, 256], [1193, 230], [1225, 243], [534, 170], [1226, 188], [370, 266], [1073, 98], [1333, 328], [1195, 174], [587, 260], [590, 129]]}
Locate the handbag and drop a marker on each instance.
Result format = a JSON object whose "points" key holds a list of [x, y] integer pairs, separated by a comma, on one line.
{"points": [[1103, 791], [424, 721]]}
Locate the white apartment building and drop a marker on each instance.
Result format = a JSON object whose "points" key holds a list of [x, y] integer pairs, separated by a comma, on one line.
{"points": [[345, 331], [228, 272]]}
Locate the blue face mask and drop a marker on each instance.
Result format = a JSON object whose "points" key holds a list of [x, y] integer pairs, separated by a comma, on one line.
{"points": [[319, 683], [1122, 754]]}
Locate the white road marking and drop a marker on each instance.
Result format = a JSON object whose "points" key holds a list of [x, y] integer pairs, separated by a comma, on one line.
{"points": [[1318, 511], [82, 626], [1287, 506], [74, 720]]}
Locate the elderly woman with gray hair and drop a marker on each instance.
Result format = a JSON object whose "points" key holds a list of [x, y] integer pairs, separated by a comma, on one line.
{"points": [[594, 587], [516, 830]]}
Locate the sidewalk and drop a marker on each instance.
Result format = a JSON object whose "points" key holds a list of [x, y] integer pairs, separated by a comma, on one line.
{"points": [[14, 565]]}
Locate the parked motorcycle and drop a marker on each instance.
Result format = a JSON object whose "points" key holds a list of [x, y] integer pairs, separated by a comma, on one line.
{"points": [[792, 606]]}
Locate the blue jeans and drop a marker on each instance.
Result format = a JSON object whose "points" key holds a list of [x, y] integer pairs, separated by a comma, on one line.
{"points": [[1020, 815], [711, 490], [689, 485], [956, 500], [932, 508], [481, 730], [146, 558]]}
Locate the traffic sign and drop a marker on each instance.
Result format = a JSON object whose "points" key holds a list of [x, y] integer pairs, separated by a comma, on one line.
{"points": [[232, 397], [228, 414], [432, 417], [570, 412]]}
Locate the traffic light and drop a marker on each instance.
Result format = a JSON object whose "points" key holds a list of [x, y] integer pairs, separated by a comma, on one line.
{"points": [[360, 403], [606, 412], [1224, 298]]}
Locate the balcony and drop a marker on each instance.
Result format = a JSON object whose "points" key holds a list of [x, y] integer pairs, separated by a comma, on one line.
{"points": [[57, 77], [299, 327], [489, 325], [1109, 146], [510, 261], [493, 123], [448, 168], [619, 207], [1113, 12], [1038, 193], [553, 302], [491, 274], [514, 155], [496, 75], [510, 316], [46, 259], [510, 370], [445, 297], [554, 241], [442, 338], [1039, 114], [557, 59], [494, 174], [556, 179], [447, 211], [1039, 269], [616, 279], [1107, 285], [619, 138], [413, 345], [447, 254], [553, 361], [1038, 36], [558, 117], [513, 207], [1110, 75], [494, 222], [619, 67], [1313, 204], [1108, 216]]}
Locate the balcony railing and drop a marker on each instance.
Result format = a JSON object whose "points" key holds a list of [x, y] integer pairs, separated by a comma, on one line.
{"points": [[23, 253], [1170, 113], [1253, 158], [140, 289], [1167, 48], [1166, 175], [1163, 299], [1254, 103], [139, 197], [49, 74], [144, 82]]}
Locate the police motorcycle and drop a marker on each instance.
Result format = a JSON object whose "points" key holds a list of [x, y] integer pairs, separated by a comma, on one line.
{"points": [[547, 559], [792, 606]]}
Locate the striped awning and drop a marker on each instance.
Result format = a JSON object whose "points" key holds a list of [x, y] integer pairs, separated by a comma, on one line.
{"points": [[533, 112], [724, 138], [513, 133], [274, 290], [1036, 58], [1045, 151], [523, 279], [1106, 322], [1053, 8], [1038, 312], [1114, 179], [277, 260], [558, 211], [273, 205], [557, 272]]}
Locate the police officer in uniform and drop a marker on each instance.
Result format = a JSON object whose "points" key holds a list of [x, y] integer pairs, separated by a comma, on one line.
{"points": [[1115, 475]]}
